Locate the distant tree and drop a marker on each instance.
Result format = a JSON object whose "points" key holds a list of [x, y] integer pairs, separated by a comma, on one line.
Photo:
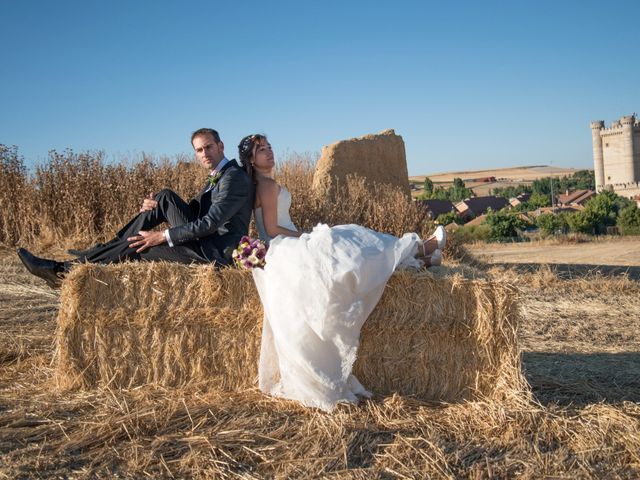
{"points": [[629, 220], [606, 206], [583, 222], [522, 207], [584, 180], [455, 193], [599, 212], [428, 186], [504, 224], [442, 194], [458, 191], [511, 191], [447, 218], [548, 223], [541, 185], [538, 200], [580, 180]]}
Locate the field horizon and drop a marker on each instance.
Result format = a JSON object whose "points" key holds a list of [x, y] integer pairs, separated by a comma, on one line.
{"points": [[525, 172], [504, 177]]}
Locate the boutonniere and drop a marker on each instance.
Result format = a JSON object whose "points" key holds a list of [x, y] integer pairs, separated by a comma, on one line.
{"points": [[213, 179]]}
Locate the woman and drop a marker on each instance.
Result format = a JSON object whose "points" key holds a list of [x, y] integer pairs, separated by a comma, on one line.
{"points": [[317, 290]]}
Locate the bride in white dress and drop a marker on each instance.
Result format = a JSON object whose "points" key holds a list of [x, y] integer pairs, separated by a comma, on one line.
{"points": [[317, 289]]}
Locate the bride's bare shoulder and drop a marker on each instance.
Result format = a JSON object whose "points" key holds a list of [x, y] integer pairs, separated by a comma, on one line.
{"points": [[267, 186], [267, 190]]}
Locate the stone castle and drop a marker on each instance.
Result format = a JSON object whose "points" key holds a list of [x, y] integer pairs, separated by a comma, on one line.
{"points": [[616, 156]]}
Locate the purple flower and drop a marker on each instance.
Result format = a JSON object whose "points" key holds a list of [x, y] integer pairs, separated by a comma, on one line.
{"points": [[250, 253]]}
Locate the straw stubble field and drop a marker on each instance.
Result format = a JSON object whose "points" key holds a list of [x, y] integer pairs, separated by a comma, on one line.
{"points": [[579, 336], [580, 341]]}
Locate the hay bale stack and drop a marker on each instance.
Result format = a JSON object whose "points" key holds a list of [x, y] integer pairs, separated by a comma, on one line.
{"points": [[377, 158], [132, 324]]}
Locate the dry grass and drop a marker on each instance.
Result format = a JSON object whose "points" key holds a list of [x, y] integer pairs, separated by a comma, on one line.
{"points": [[75, 199], [584, 424], [202, 435]]}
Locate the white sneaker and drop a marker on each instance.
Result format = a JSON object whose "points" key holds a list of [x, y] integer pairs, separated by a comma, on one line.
{"points": [[441, 236]]}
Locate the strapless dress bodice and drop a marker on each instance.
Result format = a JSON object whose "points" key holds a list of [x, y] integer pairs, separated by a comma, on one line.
{"points": [[283, 219]]}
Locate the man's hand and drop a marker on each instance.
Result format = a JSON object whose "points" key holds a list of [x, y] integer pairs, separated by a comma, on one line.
{"points": [[144, 240], [148, 203]]}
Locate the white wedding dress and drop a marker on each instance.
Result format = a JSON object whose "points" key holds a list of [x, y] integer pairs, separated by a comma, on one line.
{"points": [[317, 290]]}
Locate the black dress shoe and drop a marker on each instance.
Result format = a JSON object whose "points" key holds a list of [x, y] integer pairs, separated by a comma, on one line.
{"points": [[50, 271]]}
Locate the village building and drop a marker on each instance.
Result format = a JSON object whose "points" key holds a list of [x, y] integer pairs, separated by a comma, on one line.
{"points": [[579, 197], [473, 207], [436, 207], [520, 199]]}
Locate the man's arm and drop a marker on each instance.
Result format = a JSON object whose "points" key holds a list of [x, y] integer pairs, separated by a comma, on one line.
{"points": [[145, 240], [234, 191]]}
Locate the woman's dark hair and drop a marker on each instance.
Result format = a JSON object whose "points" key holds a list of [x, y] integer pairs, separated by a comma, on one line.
{"points": [[246, 148]]}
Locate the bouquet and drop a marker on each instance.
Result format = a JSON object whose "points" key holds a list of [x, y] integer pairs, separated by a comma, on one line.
{"points": [[250, 253]]}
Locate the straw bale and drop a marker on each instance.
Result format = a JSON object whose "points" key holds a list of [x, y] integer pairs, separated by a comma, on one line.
{"points": [[438, 337], [377, 158]]}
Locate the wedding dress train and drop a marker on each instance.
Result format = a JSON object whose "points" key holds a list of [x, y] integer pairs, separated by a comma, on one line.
{"points": [[317, 290]]}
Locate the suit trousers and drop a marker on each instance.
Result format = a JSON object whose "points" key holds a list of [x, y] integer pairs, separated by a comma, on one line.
{"points": [[171, 209]]}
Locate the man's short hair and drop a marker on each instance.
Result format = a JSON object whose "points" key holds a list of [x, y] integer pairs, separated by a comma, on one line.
{"points": [[206, 131]]}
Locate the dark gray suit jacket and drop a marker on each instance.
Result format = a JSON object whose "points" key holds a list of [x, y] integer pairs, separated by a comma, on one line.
{"points": [[222, 215]]}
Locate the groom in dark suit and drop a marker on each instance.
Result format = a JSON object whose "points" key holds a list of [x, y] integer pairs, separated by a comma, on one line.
{"points": [[205, 230]]}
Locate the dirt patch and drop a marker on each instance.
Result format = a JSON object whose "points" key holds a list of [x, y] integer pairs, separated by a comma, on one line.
{"points": [[614, 252]]}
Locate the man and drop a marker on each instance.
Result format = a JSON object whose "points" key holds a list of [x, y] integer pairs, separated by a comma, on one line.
{"points": [[205, 230]]}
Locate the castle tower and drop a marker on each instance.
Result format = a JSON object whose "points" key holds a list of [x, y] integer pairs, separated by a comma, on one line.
{"points": [[616, 156], [636, 148], [598, 157], [627, 147]]}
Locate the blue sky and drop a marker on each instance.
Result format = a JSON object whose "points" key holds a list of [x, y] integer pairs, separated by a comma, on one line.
{"points": [[468, 85]]}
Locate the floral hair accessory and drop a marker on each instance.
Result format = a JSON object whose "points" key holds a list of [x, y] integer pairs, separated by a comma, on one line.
{"points": [[250, 253], [245, 146]]}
